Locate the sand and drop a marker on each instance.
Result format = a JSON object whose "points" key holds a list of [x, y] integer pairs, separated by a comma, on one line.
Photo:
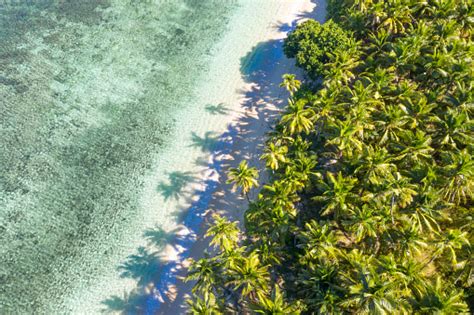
{"points": [[260, 100]]}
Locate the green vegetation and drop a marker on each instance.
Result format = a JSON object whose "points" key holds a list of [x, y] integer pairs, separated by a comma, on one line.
{"points": [[369, 208], [312, 45], [244, 177]]}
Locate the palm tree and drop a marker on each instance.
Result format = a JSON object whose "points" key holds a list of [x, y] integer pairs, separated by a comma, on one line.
{"points": [[459, 187], [454, 129], [410, 241], [393, 15], [397, 190], [370, 291], [391, 123], [274, 305], [244, 177], [324, 107], [267, 253], [320, 282], [224, 234], [258, 211], [381, 79], [449, 242], [370, 294], [440, 299], [418, 111], [205, 306], [290, 83], [375, 165], [439, 65], [366, 223], [301, 168], [463, 12], [249, 275], [281, 195], [340, 69], [274, 155], [298, 118], [404, 53], [319, 241], [362, 95], [346, 137], [424, 217], [362, 5], [416, 147], [337, 195], [379, 41], [459, 98], [205, 272]]}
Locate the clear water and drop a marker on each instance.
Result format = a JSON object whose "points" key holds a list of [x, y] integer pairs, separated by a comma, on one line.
{"points": [[87, 89]]}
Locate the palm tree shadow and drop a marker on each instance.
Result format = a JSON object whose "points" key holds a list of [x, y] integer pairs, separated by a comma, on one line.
{"points": [[140, 266], [159, 238], [219, 109], [318, 13], [145, 267], [129, 303], [207, 143], [177, 181], [255, 65], [202, 161], [285, 27], [179, 215]]}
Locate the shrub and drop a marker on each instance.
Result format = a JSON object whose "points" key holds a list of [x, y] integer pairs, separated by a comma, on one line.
{"points": [[311, 42]]}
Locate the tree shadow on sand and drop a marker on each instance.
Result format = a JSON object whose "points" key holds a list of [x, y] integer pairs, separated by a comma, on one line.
{"points": [[159, 238], [219, 109], [129, 303], [318, 13], [255, 64], [285, 27], [207, 143], [177, 181], [145, 267], [141, 267]]}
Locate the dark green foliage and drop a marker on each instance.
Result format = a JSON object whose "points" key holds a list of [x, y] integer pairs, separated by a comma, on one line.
{"points": [[312, 43], [369, 210]]}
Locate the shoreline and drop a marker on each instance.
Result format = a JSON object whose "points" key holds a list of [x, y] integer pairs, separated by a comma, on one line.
{"points": [[261, 101]]}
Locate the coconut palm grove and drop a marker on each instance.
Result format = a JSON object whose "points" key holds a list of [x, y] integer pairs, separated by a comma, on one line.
{"points": [[368, 206]]}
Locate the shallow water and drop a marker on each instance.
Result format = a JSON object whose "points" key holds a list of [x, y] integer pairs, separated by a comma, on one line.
{"points": [[87, 89]]}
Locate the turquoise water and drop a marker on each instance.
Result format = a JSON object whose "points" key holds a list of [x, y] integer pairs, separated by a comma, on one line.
{"points": [[86, 91]]}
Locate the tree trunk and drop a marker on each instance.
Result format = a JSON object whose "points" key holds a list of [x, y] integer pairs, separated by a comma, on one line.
{"points": [[391, 208], [377, 244]]}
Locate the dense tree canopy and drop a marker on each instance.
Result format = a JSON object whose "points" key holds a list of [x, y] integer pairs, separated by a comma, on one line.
{"points": [[311, 44], [369, 208]]}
